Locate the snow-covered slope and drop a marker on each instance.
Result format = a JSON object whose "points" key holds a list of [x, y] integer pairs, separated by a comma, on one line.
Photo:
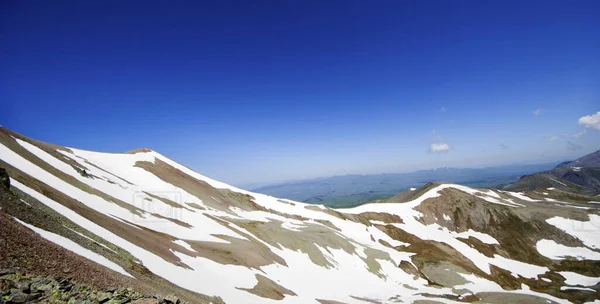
{"points": [[449, 243]]}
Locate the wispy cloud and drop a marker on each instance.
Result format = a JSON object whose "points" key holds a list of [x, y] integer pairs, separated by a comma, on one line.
{"points": [[573, 146], [581, 133], [439, 147], [590, 121], [553, 138], [443, 109], [537, 112], [503, 147]]}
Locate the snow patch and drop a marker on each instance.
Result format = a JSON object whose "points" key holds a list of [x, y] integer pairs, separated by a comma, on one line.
{"points": [[573, 278], [522, 196], [485, 238], [184, 244], [576, 288], [85, 236], [75, 248], [552, 250], [558, 182], [586, 231]]}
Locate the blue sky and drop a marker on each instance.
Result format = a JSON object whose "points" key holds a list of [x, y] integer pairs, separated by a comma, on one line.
{"points": [[250, 92]]}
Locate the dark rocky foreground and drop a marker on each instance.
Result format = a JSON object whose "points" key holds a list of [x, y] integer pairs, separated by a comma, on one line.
{"points": [[22, 288]]}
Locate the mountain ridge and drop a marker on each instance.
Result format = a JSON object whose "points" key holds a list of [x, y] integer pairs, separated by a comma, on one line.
{"points": [[580, 176], [162, 224]]}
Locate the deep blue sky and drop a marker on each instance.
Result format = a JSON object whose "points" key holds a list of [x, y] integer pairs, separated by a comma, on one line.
{"points": [[259, 91]]}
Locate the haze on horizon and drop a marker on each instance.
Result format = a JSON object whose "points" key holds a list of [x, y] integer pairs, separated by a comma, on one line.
{"points": [[272, 91]]}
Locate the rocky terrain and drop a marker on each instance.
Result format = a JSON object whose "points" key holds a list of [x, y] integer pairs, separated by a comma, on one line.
{"points": [[17, 287], [137, 224]]}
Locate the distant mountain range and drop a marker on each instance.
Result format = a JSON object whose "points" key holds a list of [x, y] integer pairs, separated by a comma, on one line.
{"points": [[580, 176], [353, 190]]}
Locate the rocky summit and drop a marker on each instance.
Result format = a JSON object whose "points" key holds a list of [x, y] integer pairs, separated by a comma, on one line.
{"points": [[79, 226]]}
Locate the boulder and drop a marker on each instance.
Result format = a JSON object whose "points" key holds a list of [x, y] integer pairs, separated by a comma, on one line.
{"points": [[171, 299], [23, 286], [103, 297], [17, 296]]}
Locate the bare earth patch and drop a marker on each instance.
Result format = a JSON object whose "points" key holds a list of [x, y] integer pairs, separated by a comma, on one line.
{"points": [[266, 288]]}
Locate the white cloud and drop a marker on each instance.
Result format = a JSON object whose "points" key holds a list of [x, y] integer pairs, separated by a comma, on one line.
{"points": [[537, 112], [581, 133], [439, 147], [553, 138], [590, 121]]}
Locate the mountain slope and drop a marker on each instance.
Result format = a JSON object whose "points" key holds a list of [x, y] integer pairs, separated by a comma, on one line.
{"points": [[579, 176], [157, 222]]}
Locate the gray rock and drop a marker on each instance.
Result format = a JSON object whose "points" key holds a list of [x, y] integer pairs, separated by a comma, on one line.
{"points": [[171, 299], [34, 297], [43, 284], [17, 296], [48, 287], [77, 301], [23, 286], [7, 277], [103, 297], [119, 300]]}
